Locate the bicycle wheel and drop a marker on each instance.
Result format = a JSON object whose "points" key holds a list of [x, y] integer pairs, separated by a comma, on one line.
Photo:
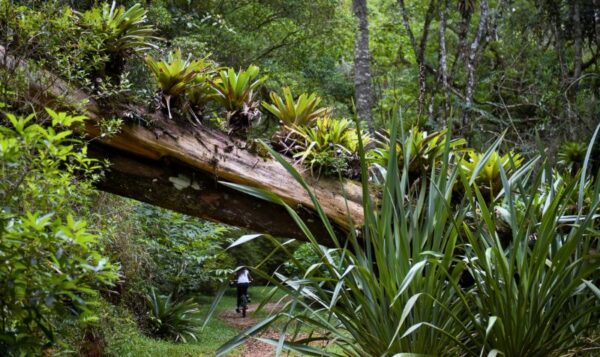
{"points": [[244, 305]]}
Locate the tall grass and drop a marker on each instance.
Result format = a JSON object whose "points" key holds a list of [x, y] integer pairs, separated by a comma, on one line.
{"points": [[396, 286]]}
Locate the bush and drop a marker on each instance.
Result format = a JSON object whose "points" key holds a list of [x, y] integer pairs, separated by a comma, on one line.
{"points": [[186, 252], [51, 267], [180, 321]]}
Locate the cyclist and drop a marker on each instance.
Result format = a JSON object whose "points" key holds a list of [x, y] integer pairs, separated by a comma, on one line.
{"points": [[242, 280]]}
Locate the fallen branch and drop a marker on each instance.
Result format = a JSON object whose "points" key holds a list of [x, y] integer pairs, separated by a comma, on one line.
{"points": [[145, 157]]}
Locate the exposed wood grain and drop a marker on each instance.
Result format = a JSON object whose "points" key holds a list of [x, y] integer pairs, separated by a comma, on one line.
{"points": [[208, 152]]}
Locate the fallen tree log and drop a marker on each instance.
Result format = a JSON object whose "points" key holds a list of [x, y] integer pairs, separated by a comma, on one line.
{"points": [[178, 166]]}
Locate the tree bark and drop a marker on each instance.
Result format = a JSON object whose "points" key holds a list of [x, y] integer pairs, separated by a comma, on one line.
{"points": [[597, 23], [197, 194], [443, 58], [206, 155], [362, 66], [577, 34], [419, 49], [471, 62], [463, 34], [559, 43]]}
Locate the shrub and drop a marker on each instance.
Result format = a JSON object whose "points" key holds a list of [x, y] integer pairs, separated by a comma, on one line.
{"points": [[186, 252], [180, 321], [51, 266]]}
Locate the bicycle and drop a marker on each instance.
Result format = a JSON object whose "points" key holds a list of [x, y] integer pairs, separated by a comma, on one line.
{"points": [[244, 304]]}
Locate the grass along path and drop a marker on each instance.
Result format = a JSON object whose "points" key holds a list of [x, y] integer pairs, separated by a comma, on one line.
{"points": [[125, 339]]}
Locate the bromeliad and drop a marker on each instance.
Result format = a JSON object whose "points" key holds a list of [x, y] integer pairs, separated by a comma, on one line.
{"points": [[176, 75], [236, 91]]}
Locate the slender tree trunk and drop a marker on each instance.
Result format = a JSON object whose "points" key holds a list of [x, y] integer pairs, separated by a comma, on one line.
{"points": [[362, 66], [471, 62], [559, 43], [573, 86], [578, 44], [443, 58], [420, 49], [421, 55], [463, 33], [597, 22]]}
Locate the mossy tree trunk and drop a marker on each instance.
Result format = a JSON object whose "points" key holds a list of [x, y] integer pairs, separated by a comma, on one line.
{"points": [[180, 167]]}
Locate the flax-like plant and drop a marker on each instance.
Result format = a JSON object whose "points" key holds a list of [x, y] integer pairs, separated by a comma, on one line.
{"points": [[537, 297], [301, 112], [398, 287], [394, 287]]}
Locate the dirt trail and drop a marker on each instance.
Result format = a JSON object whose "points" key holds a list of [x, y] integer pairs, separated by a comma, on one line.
{"points": [[252, 347]]}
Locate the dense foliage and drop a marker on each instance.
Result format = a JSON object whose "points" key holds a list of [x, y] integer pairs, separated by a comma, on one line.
{"points": [[430, 274], [52, 265], [471, 246]]}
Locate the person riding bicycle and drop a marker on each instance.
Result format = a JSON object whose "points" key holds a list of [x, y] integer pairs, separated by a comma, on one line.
{"points": [[242, 280]]}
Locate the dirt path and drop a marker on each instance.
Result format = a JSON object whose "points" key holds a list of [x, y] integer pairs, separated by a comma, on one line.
{"points": [[252, 347]]}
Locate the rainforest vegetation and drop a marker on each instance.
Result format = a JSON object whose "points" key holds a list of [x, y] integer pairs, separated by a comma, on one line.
{"points": [[401, 177]]}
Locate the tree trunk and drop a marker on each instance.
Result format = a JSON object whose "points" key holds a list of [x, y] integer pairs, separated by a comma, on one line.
{"points": [[443, 58], [184, 168], [597, 23], [577, 34], [559, 43], [197, 194], [420, 49], [473, 57], [362, 66], [463, 34]]}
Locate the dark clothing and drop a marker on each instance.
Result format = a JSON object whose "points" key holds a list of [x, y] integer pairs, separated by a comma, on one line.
{"points": [[242, 289]]}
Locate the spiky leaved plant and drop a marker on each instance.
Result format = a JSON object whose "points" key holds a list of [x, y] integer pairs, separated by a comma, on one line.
{"points": [[419, 149], [395, 290], [200, 93], [179, 321], [571, 155], [176, 75], [123, 31], [236, 92], [488, 178], [330, 146], [292, 115], [300, 112]]}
